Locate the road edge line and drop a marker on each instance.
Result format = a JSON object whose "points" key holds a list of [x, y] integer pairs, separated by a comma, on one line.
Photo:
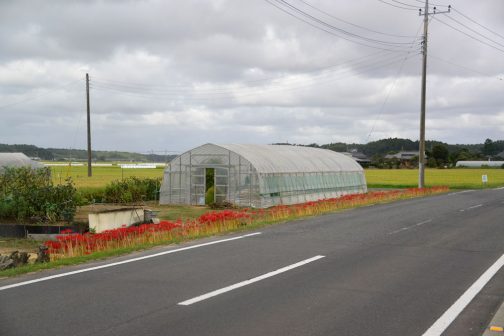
{"points": [[443, 322]]}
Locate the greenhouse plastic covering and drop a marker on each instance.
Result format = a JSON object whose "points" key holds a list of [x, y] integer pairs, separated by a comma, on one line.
{"points": [[261, 175], [17, 160]]}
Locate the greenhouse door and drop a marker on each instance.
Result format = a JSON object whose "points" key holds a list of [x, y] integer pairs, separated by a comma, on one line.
{"points": [[221, 184], [197, 186]]}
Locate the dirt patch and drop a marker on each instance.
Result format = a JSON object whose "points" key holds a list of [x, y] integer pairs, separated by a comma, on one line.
{"points": [[9, 245]]}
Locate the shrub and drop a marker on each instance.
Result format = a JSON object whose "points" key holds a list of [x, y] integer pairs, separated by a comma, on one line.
{"points": [[90, 195], [29, 194], [132, 189], [210, 195], [222, 205]]}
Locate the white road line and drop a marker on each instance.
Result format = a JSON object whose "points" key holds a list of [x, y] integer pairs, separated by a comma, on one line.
{"points": [[24, 283], [397, 231], [460, 192], [451, 314], [410, 227], [424, 222], [248, 282], [475, 206]]}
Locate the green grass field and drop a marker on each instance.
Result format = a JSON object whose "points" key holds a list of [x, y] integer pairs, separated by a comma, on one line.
{"points": [[376, 178], [453, 178], [101, 175]]}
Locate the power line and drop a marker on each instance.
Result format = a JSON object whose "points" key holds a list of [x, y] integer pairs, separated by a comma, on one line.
{"points": [[397, 48], [401, 7], [479, 24], [256, 93], [475, 31], [177, 88], [465, 67], [433, 4], [382, 108], [468, 35], [344, 67], [389, 92], [330, 26], [405, 4], [57, 88], [353, 24]]}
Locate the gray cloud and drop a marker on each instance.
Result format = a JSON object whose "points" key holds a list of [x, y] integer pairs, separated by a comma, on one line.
{"points": [[169, 75]]}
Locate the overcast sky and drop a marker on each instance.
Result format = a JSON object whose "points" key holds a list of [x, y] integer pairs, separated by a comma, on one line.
{"points": [[169, 75]]}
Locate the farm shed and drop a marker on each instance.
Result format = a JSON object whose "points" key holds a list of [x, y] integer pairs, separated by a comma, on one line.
{"points": [[17, 160], [260, 175]]}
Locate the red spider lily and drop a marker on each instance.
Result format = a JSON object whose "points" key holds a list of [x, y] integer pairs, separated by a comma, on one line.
{"points": [[74, 244]]}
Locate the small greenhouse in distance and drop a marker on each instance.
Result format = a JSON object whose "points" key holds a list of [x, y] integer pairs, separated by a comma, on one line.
{"points": [[16, 160], [260, 175]]}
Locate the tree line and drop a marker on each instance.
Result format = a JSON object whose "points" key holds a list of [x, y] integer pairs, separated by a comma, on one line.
{"points": [[61, 154], [439, 154]]}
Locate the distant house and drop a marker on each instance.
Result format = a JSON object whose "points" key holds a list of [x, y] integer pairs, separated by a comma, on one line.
{"points": [[361, 158], [405, 159], [17, 160], [501, 155], [402, 155]]}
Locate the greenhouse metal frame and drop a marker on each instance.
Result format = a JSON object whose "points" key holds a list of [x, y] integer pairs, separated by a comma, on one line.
{"points": [[261, 175]]}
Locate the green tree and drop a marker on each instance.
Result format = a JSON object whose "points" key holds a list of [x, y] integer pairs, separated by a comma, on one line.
{"points": [[440, 153], [431, 162], [489, 147]]}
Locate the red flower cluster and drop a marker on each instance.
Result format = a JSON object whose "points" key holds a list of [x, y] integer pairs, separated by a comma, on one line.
{"points": [[76, 243], [224, 215], [73, 244]]}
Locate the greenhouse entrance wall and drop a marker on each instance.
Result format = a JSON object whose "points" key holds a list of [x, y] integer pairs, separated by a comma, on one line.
{"points": [[260, 175], [200, 184]]}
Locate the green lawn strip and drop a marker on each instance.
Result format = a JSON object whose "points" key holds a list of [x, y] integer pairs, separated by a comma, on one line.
{"points": [[122, 251], [182, 212]]}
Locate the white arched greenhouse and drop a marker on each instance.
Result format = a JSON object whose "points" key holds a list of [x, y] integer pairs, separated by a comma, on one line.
{"points": [[260, 175], [16, 160]]}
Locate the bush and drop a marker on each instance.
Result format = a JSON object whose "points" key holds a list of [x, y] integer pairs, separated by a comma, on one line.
{"points": [[222, 205], [29, 194], [132, 189], [210, 195], [90, 195]]}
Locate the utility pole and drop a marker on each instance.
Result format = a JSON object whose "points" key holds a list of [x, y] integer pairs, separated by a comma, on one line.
{"points": [[421, 147], [90, 170]]}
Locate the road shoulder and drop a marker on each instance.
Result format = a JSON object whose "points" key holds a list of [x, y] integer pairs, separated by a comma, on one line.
{"points": [[496, 326]]}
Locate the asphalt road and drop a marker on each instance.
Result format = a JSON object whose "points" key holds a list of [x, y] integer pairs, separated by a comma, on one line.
{"points": [[390, 269]]}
